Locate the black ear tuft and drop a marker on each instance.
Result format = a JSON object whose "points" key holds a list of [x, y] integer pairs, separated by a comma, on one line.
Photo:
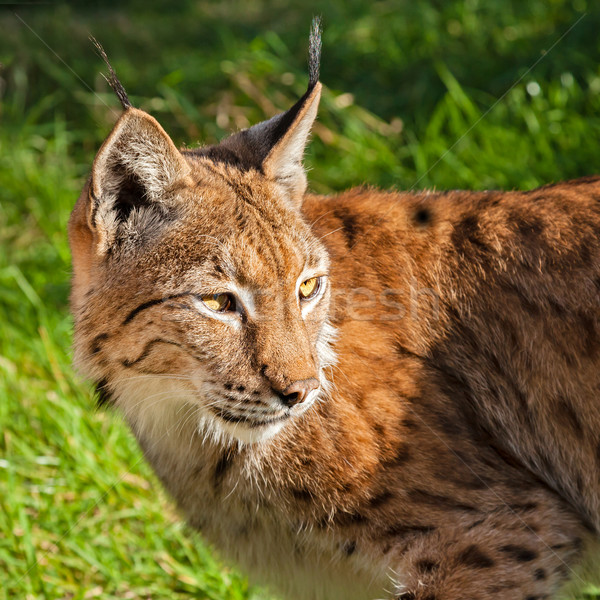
{"points": [[314, 52], [275, 147], [249, 149], [112, 78]]}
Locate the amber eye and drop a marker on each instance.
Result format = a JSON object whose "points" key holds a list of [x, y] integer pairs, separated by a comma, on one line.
{"points": [[219, 302], [310, 287]]}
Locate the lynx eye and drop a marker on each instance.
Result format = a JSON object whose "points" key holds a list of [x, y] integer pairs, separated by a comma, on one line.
{"points": [[219, 302], [310, 287]]}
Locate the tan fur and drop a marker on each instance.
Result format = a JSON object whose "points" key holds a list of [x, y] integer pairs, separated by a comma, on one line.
{"points": [[452, 450]]}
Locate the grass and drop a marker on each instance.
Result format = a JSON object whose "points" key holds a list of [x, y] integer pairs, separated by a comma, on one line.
{"points": [[418, 95]]}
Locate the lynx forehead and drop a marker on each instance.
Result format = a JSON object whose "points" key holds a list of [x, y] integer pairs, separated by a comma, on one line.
{"points": [[441, 450]]}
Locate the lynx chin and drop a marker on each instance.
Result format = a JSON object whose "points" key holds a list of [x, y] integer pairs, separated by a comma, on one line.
{"points": [[368, 395]]}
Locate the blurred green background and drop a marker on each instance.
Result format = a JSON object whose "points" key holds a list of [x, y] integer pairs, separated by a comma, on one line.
{"points": [[439, 94]]}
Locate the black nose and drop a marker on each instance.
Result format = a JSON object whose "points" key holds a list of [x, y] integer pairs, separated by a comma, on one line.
{"points": [[298, 391]]}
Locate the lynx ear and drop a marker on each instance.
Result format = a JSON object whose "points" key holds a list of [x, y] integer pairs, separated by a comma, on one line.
{"points": [[276, 146], [283, 163], [135, 172]]}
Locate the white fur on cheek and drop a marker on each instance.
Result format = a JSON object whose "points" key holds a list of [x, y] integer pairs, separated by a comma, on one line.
{"points": [[158, 409]]}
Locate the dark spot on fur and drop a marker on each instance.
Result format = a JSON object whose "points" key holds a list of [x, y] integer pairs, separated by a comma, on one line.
{"points": [[557, 308], [380, 499], [590, 336], [349, 547], [472, 556], [423, 497], [379, 430], [403, 352], [529, 227], [221, 468], [146, 351], [228, 386], [519, 553], [524, 506], [401, 456], [426, 566], [350, 227], [347, 486], [403, 529], [240, 388], [302, 494], [410, 425], [585, 254], [569, 417], [467, 235], [452, 473], [358, 400], [347, 519], [475, 524], [539, 574], [406, 596], [423, 216], [96, 344], [525, 482]]}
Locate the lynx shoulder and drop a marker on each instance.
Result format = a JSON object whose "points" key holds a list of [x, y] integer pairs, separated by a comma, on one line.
{"points": [[374, 394]]}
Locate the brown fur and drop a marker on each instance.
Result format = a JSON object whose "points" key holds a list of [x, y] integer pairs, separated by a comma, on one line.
{"points": [[454, 452]]}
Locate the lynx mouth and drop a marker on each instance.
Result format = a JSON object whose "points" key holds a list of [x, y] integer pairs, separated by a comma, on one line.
{"points": [[247, 420], [247, 429], [250, 428]]}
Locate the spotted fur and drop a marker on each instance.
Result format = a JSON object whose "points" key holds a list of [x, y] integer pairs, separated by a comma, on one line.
{"points": [[452, 448]]}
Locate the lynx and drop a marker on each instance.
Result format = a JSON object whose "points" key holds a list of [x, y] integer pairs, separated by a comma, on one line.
{"points": [[368, 395]]}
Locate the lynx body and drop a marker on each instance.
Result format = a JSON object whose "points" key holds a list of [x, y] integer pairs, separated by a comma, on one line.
{"points": [[372, 395]]}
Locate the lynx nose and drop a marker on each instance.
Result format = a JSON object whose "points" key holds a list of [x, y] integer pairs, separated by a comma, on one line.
{"points": [[298, 391]]}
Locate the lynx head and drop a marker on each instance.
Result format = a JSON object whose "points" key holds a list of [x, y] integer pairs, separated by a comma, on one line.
{"points": [[200, 294]]}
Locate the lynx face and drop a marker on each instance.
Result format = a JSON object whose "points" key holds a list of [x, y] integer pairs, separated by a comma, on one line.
{"points": [[257, 330], [178, 314]]}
